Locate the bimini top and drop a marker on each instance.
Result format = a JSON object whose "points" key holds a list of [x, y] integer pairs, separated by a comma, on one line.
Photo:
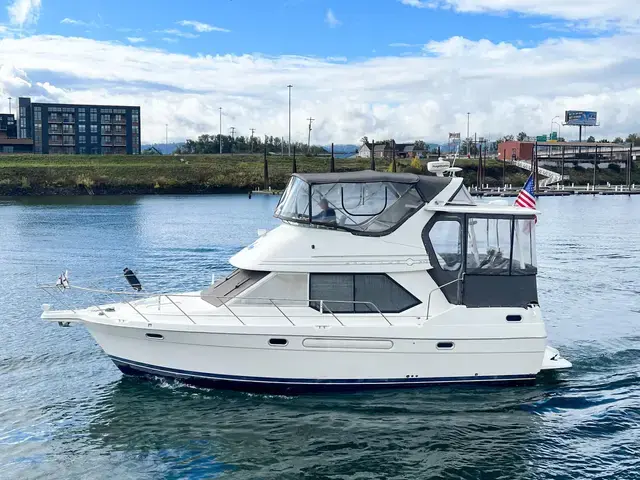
{"points": [[428, 186], [364, 203]]}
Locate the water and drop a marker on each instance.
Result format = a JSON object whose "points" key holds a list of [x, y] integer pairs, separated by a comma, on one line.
{"points": [[66, 411]]}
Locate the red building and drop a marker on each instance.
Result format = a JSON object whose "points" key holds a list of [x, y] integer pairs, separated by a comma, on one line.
{"points": [[514, 150]]}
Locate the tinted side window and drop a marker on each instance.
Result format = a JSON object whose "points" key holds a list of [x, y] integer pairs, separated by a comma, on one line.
{"points": [[329, 286], [373, 290]]}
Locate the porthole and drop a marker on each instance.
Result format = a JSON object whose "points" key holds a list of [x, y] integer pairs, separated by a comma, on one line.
{"points": [[278, 342], [155, 336], [514, 318], [445, 345]]}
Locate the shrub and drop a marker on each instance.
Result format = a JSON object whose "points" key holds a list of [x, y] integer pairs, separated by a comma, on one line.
{"points": [[614, 167]]}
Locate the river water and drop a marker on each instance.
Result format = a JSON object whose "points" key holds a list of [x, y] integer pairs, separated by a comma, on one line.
{"points": [[67, 412]]}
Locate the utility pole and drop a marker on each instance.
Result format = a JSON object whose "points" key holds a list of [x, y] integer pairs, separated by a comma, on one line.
{"points": [[251, 140], [289, 87], [309, 139], [233, 131], [166, 134], [220, 139]]}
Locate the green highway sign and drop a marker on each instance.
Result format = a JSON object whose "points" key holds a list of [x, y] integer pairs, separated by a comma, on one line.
{"points": [[541, 138]]}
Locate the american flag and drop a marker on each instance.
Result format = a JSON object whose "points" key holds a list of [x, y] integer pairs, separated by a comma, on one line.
{"points": [[527, 198]]}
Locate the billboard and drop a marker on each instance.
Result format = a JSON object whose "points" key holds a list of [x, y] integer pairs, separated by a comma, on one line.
{"points": [[579, 117], [454, 136]]}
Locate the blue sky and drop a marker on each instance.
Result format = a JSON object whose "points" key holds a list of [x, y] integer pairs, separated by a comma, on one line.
{"points": [[383, 68], [364, 28]]}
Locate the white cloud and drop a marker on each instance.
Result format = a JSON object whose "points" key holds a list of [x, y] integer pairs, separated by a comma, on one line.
{"points": [[331, 19], [177, 33], [202, 27], [79, 23], [405, 45], [136, 39], [169, 40], [506, 88], [24, 12], [420, 3], [624, 13]]}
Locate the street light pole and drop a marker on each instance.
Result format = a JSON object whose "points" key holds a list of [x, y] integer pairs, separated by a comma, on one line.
{"points": [[468, 138], [552, 122], [220, 138], [289, 87]]}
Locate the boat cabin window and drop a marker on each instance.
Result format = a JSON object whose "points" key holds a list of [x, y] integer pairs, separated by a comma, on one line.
{"points": [[500, 246], [369, 207], [446, 238], [358, 293]]}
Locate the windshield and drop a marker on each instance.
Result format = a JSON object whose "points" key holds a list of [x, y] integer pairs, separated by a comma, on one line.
{"points": [[373, 207]]}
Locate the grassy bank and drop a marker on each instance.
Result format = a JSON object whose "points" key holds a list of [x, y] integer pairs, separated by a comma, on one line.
{"points": [[76, 174]]}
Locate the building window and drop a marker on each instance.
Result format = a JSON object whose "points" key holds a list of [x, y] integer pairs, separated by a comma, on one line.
{"points": [[23, 133], [23, 112], [93, 116], [82, 150], [118, 129], [105, 129], [82, 139], [82, 116], [358, 293], [94, 139], [37, 115], [82, 128], [94, 150], [67, 128], [23, 122], [135, 129], [135, 117], [94, 128], [105, 119], [68, 140], [118, 119]]}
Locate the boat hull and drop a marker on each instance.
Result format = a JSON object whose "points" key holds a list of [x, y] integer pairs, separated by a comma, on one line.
{"points": [[319, 363], [290, 386]]}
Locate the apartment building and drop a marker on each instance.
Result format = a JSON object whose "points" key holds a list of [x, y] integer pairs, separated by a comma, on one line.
{"points": [[79, 129]]}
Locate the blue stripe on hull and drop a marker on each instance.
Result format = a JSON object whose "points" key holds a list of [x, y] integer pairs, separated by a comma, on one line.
{"points": [[304, 385]]}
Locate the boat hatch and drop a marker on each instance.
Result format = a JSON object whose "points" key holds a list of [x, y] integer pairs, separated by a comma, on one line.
{"points": [[483, 260], [364, 203]]}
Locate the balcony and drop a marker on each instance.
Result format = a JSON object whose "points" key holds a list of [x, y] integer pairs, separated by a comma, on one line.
{"points": [[69, 120], [66, 131], [105, 132], [55, 119], [106, 143], [55, 142], [122, 121]]}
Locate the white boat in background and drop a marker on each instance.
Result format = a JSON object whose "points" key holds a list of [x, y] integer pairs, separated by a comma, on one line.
{"points": [[373, 280]]}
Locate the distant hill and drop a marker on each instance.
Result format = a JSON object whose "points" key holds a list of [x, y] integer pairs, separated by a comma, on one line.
{"points": [[342, 148], [164, 148]]}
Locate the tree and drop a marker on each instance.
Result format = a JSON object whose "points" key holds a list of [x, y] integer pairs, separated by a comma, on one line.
{"points": [[364, 140], [591, 139], [561, 139], [419, 145], [634, 139], [618, 140], [604, 140], [522, 136], [508, 138]]}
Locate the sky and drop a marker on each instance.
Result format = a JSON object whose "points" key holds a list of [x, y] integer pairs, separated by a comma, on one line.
{"points": [[403, 69]]}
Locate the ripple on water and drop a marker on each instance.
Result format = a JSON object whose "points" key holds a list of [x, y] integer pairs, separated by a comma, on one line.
{"points": [[66, 412]]}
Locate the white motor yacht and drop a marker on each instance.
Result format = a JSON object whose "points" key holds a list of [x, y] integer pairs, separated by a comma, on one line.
{"points": [[373, 280]]}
